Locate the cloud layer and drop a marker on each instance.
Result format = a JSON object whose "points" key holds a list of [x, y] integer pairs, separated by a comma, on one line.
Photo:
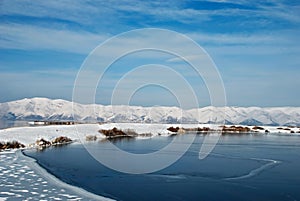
{"points": [[254, 43]]}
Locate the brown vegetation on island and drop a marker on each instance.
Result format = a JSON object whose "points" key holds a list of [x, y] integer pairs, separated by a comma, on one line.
{"points": [[258, 128], [42, 143], [184, 130], [235, 129], [11, 145], [113, 133], [172, 129], [223, 130], [61, 140]]}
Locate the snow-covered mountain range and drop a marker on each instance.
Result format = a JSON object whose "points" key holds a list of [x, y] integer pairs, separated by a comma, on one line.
{"points": [[48, 109]]}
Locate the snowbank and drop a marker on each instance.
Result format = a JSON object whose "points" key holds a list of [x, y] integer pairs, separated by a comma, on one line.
{"points": [[28, 135]]}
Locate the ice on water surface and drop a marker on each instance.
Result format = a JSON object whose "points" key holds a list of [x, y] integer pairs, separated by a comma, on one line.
{"points": [[22, 179]]}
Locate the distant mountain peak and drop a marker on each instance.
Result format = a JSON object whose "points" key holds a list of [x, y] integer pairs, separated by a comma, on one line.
{"points": [[40, 108]]}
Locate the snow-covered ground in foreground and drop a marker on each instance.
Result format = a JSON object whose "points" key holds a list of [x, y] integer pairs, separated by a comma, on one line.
{"points": [[23, 179], [28, 135]]}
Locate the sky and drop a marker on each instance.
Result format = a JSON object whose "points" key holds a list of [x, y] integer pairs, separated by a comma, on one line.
{"points": [[254, 44]]}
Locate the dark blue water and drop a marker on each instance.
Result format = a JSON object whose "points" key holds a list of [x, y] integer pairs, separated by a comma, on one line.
{"points": [[246, 167]]}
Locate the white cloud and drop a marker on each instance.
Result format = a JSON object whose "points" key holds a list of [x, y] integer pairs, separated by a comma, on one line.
{"points": [[66, 9], [16, 36], [240, 49], [27, 37], [93, 12]]}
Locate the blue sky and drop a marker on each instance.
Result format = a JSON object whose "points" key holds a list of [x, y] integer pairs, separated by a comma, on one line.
{"points": [[255, 45]]}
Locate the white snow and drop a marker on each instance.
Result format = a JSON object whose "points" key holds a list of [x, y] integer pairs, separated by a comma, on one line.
{"points": [[29, 135], [48, 109], [22, 177], [34, 182]]}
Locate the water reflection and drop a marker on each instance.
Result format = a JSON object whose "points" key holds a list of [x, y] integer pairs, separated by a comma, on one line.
{"points": [[117, 140]]}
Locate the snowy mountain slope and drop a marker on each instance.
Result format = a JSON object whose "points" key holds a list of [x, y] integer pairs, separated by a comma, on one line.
{"points": [[47, 109]]}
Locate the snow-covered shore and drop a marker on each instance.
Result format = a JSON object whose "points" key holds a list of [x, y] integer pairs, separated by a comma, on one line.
{"points": [[23, 179], [29, 135]]}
